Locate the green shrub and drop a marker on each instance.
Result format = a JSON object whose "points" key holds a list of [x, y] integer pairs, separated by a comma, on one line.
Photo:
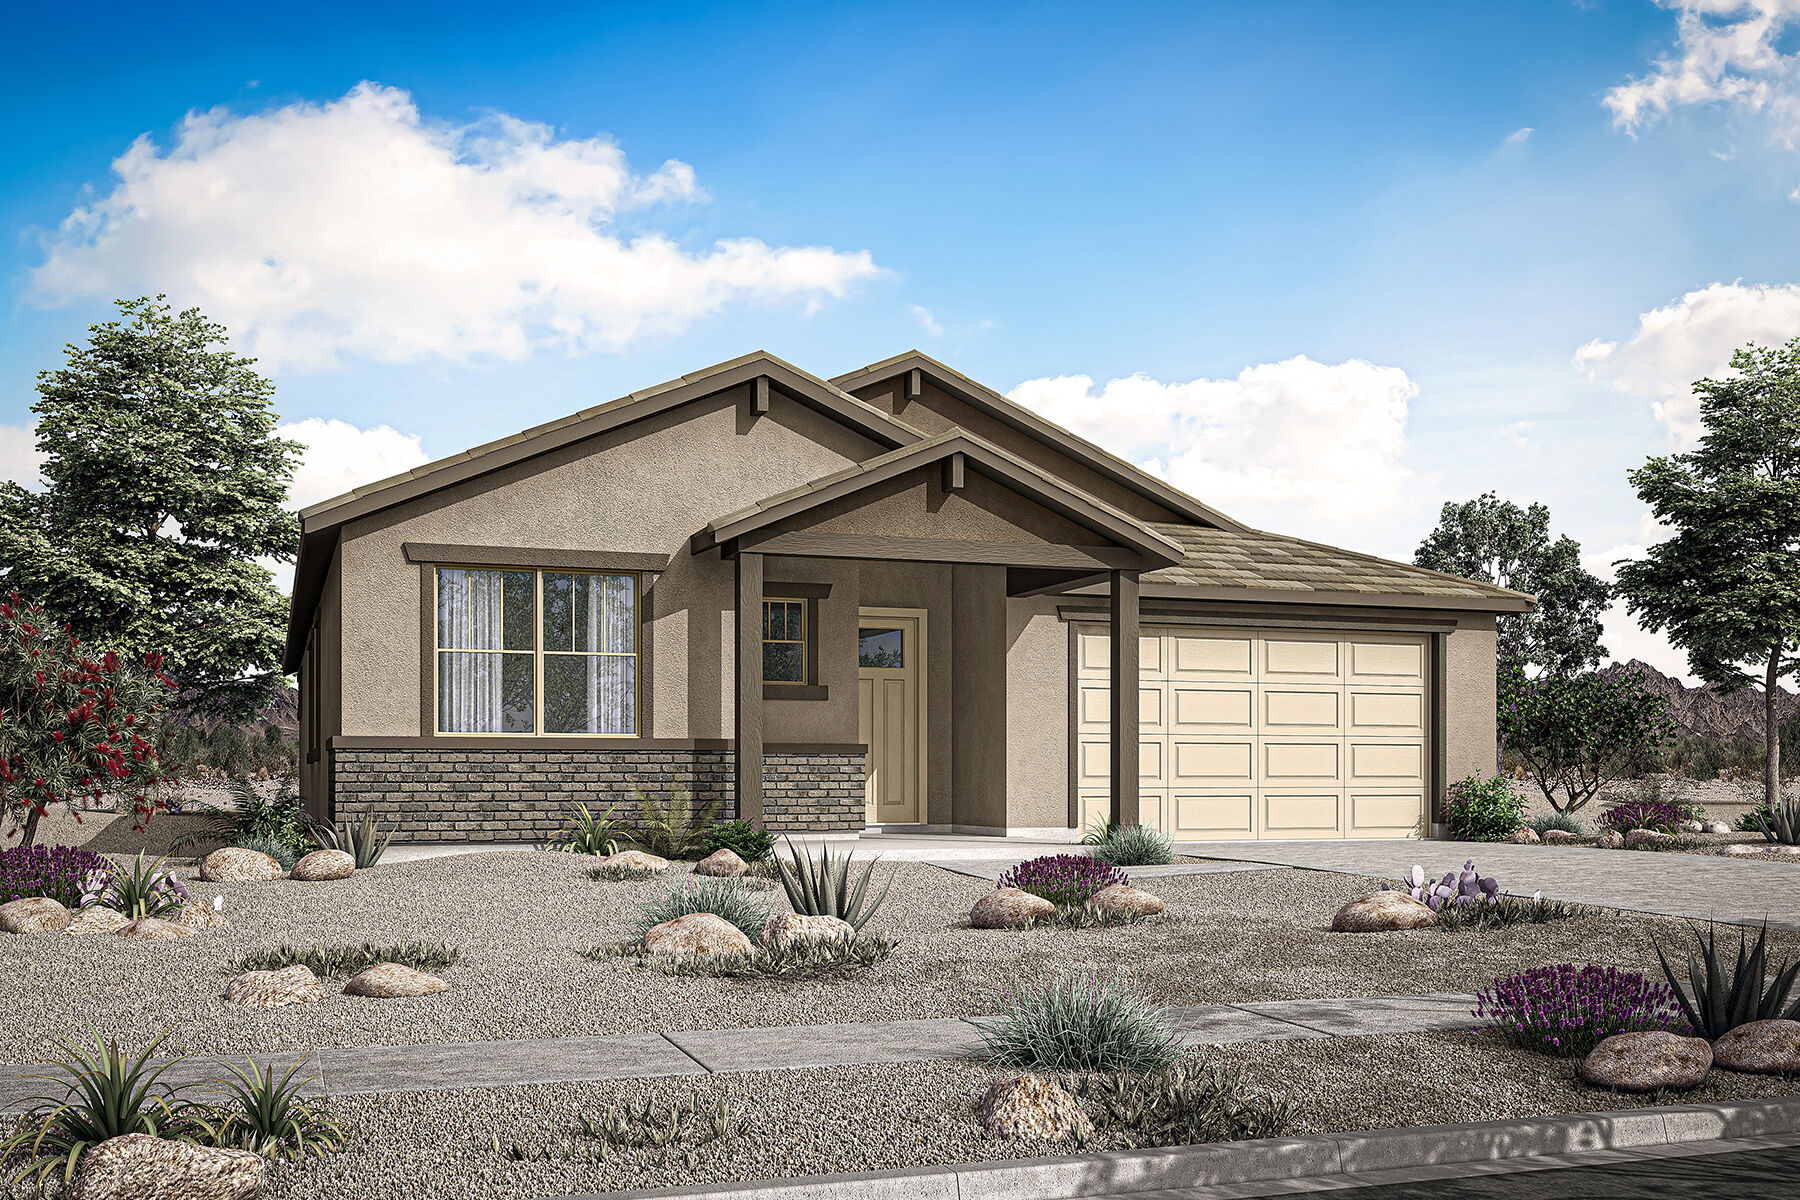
{"points": [[1483, 810], [267, 1116], [1186, 1104], [588, 834], [827, 888], [278, 850], [725, 898], [1545, 822], [672, 826], [1135, 846], [1077, 1022], [254, 820], [327, 961], [748, 841]]}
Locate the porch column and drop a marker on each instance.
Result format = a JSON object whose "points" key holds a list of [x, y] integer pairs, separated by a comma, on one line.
{"points": [[749, 705], [1124, 760]]}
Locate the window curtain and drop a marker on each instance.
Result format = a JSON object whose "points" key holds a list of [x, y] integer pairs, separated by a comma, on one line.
{"points": [[485, 675], [590, 653]]}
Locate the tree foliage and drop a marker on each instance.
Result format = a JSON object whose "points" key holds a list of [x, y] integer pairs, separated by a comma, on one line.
{"points": [[164, 482], [1498, 542], [1726, 584], [75, 724], [1578, 733]]}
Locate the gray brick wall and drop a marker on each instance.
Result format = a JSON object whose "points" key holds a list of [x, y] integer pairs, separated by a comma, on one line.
{"points": [[428, 795]]}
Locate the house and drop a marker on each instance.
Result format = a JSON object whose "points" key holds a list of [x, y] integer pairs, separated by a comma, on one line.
{"points": [[884, 600]]}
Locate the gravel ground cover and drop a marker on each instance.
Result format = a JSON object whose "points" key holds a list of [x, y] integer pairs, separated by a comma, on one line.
{"points": [[521, 919], [442, 1145]]}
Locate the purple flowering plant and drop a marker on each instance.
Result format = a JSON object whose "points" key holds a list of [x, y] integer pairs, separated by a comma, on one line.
{"points": [[1457, 889], [1658, 815], [1063, 879], [54, 872], [1565, 1010]]}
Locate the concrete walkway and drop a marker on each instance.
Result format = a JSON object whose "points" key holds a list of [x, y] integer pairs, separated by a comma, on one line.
{"points": [[456, 1065]]}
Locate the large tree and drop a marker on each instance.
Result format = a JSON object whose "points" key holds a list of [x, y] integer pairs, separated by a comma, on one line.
{"points": [[1498, 542], [1726, 585], [164, 482]]}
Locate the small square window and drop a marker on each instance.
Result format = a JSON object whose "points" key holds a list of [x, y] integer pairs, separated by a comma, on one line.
{"points": [[882, 647]]}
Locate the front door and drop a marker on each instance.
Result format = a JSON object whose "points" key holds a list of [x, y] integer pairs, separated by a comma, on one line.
{"points": [[890, 666]]}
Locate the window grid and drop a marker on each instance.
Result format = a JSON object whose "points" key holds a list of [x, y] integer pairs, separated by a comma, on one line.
{"points": [[792, 611]]}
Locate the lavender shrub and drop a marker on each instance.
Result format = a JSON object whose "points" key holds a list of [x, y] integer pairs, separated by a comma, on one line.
{"points": [[55, 872], [1657, 815], [1567, 1010], [1063, 879]]}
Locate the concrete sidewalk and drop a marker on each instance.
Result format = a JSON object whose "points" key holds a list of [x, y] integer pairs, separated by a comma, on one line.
{"points": [[456, 1065]]}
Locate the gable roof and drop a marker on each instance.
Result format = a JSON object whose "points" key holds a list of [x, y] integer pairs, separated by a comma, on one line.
{"points": [[984, 399], [981, 456]]}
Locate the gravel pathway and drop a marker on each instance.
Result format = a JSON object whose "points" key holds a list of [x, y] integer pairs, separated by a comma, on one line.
{"points": [[520, 920]]}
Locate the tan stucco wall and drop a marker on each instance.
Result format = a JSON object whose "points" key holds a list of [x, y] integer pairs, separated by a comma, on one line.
{"points": [[925, 586], [647, 487], [1037, 715], [834, 719], [915, 505], [1469, 694]]}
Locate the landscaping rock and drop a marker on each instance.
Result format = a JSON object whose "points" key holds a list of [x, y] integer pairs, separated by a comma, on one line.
{"points": [[1121, 899], [198, 915], [1647, 1062], [1612, 839], [721, 862], [1760, 1048], [140, 1167], [1739, 849], [1693, 827], [272, 989], [234, 864], [636, 860], [391, 981], [1639, 838], [33, 914], [1523, 837], [1562, 836], [1382, 912], [1717, 827], [152, 929], [790, 927], [97, 920], [1009, 908], [1030, 1108], [322, 866], [696, 933]]}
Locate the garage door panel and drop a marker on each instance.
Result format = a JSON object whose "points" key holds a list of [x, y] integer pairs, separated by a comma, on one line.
{"points": [[1229, 813], [1308, 762], [1387, 762], [1093, 706], [1211, 656], [1302, 814], [1153, 704], [1292, 658], [1093, 654], [1197, 762], [1385, 814], [1386, 661], [1212, 708], [1093, 763], [1153, 762], [1153, 808], [1294, 709], [1386, 712]]}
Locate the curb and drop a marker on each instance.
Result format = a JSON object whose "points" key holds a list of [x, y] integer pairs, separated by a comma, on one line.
{"points": [[1275, 1160]]}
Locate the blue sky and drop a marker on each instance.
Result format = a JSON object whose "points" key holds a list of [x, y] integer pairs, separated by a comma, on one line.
{"points": [[1326, 265]]}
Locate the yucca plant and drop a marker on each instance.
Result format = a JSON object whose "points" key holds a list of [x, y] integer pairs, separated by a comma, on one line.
{"points": [[364, 841], [140, 890], [588, 834], [1725, 997], [1780, 823], [107, 1093], [826, 887], [672, 826], [269, 1117]]}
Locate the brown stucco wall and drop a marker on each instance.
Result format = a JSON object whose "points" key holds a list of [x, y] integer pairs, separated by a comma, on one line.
{"points": [[1037, 716], [834, 719], [978, 752], [915, 504], [1469, 694]]}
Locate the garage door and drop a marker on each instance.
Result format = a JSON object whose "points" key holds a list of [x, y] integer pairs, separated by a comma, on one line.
{"points": [[1264, 733]]}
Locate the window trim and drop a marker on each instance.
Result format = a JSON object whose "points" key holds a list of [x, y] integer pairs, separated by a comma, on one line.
{"points": [[428, 617], [808, 595], [808, 665]]}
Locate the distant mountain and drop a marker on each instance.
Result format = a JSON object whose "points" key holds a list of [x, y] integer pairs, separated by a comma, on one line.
{"points": [[1704, 711]]}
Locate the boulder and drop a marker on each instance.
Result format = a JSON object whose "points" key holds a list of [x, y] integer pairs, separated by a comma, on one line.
{"points": [[1031, 1108], [1693, 827], [272, 989], [790, 927], [95, 919], [322, 866], [234, 864], [1121, 899], [1381, 912], [33, 914], [1760, 1048], [196, 915], [1639, 839], [1523, 837], [635, 860], [152, 929], [1647, 1062], [1717, 827], [137, 1166], [1560, 836], [1612, 839], [391, 981], [1009, 908], [721, 862], [696, 933], [1740, 849]]}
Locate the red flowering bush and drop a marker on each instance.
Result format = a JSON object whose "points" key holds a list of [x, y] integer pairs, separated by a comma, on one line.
{"points": [[75, 725]]}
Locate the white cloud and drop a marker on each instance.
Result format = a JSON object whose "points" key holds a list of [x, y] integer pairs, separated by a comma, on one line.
{"points": [[339, 457], [1283, 443], [928, 322], [358, 227], [1517, 137], [1726, 52], [19, 457], [1691, 339]]}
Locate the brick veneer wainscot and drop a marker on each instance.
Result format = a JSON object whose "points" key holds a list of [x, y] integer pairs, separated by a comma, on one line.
{"points": [[524, 795]]}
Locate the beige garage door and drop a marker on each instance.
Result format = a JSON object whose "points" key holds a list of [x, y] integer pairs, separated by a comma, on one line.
{"points": [[1264, 733]]}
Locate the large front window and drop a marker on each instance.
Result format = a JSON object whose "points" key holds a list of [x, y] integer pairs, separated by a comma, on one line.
{"points": [[551, 652]]}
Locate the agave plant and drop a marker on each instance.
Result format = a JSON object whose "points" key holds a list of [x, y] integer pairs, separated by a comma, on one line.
{"points": [[1725, 997], [1780, 823], [364, 841], [588, 834], [140, 890], [269, 1117], [825, 887]]}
